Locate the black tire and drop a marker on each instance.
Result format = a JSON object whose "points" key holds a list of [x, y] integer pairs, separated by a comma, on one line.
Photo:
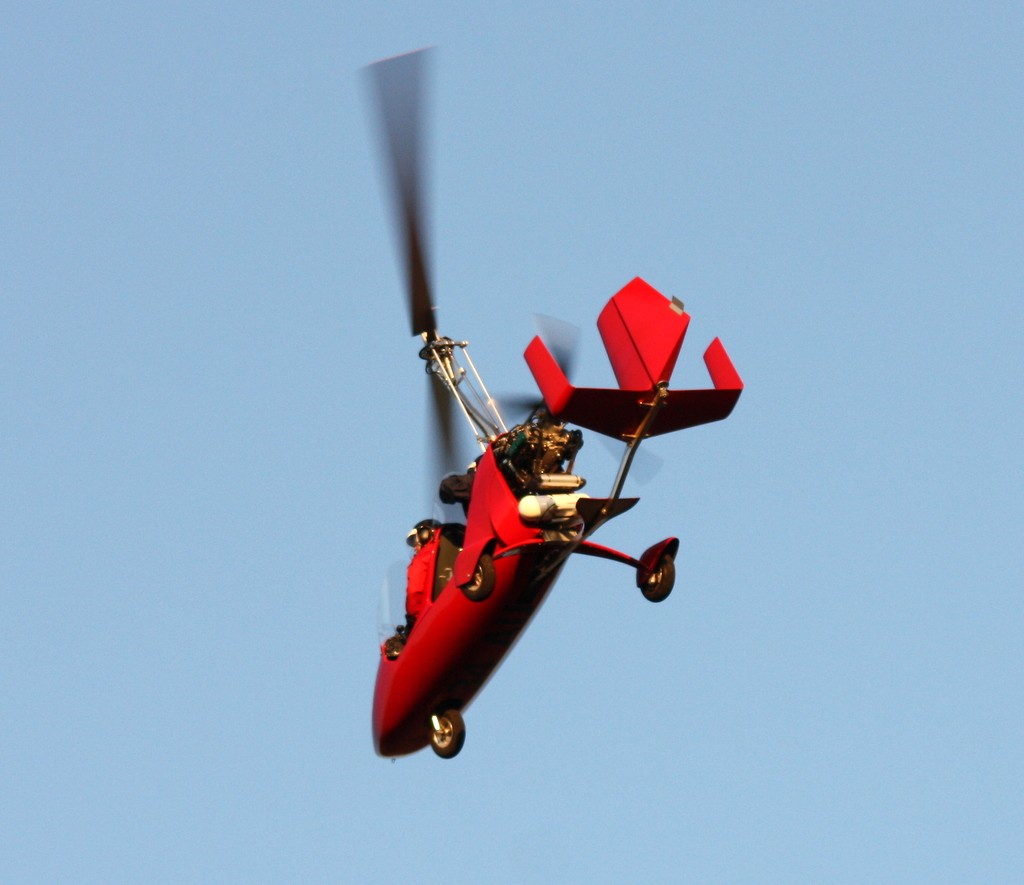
{"points": [[661, 581], [482, 582], [447, 738]]}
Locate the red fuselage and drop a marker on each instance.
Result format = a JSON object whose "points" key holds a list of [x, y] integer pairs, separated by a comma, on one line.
{"points": [[456, 644]]}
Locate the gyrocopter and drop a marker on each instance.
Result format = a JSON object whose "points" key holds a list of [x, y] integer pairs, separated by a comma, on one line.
{"points": [[473, 586]]}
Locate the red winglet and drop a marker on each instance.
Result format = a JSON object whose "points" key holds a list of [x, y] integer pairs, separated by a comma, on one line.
{"points": [[723, 373], [554, 386]]}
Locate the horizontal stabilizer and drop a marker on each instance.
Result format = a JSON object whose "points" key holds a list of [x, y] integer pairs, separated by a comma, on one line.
{"points": [[620, 413]]}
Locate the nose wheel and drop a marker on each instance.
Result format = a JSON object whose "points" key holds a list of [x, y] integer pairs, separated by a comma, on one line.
{"points": [[447, 734]]}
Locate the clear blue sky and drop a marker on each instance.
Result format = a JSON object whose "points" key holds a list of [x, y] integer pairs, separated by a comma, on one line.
{"points": [[214, 432]]}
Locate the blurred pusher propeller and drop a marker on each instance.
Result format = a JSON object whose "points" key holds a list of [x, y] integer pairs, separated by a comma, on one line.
{"points": [[562, 340]]}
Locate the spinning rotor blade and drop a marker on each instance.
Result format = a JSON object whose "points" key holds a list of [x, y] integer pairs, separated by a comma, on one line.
{"points": [[441, 431], [398, 86]]}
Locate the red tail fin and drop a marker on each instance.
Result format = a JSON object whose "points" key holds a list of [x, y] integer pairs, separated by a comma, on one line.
{"points": [[642, 331]]}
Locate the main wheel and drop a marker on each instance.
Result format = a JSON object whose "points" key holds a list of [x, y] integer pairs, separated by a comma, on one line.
{"points": [[482, 582], [447, 734], [662, 580]]}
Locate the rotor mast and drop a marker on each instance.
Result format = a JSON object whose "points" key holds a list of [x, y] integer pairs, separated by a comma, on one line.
{"points": [[445, 358]]}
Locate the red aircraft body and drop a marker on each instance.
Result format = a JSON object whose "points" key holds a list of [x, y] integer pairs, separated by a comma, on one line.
{"points": [[474, 587], [488, 578]]}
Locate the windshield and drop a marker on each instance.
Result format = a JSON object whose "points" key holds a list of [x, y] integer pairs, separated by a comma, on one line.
{"points": [[391, 609]]}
